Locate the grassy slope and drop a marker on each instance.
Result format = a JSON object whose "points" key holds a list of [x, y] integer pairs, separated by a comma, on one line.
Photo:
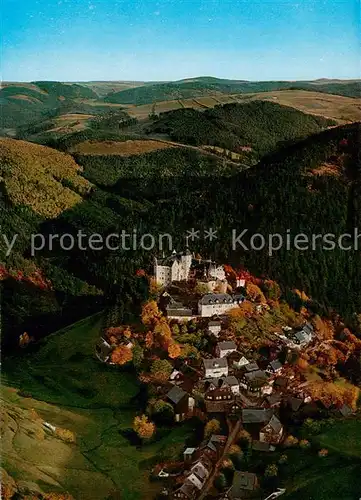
{"points": [[71, 389], [332, 478]]}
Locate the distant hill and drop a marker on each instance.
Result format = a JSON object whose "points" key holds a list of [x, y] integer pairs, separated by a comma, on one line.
{"points": [[197, 87], [260, 125], [27, 103]]}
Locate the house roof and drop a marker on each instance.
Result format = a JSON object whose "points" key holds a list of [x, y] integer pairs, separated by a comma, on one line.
{"points": [[274, 398], [256, 378], [176, 394], [250, 367], [231, 380], [210, 364], [216, 298], [276, 365], [302, 336], [228, 344], [261, 446], [103, 350], [243, 481], [256, 415], [275, 424], [346, 410], [188, 489], [281, 381], [181, 311], [295, 403], [189, 451], [200, 470], [215, 323]]}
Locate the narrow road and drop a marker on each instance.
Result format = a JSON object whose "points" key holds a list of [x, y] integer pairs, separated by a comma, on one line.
{"points": [[231, 437], [200, 150]]}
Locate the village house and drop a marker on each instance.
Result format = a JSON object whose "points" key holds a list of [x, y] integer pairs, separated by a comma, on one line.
{"points": [[262, 446], [272, 432], [176, 377], [244, 484], [103, 350], [189, 454], [176, 310], [240, 281], [251, 367], [182, 403], [274, 367], [212, 304], [198, 474], [225, 348], [215, 368], [304, 336], [256, 415], [187, 491], [214, 327], [218, 399], [212, 449], [254, 382], [237, 361], [173, 268]]}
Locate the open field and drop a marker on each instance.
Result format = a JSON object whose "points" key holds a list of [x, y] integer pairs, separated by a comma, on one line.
{"points": [[104, 88], [125, 148], [69, 388], [334, 477], [342, 109]]}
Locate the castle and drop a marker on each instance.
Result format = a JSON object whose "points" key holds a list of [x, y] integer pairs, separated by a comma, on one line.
{"points": [[173, 268], [178, 266]]}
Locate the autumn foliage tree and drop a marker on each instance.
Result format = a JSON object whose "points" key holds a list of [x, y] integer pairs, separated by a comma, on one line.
{"points": [[160, 370], [255, 293], [121, 355], [174, 350], [212, 427], [143, 427], [150, 314]]}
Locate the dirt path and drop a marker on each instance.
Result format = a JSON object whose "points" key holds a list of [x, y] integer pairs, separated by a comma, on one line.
{"points": [[231, 437], [200, 150]]}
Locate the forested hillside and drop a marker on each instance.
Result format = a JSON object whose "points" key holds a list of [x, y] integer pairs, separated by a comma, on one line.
{"points": [[312, 186], [200, 87], [260, 125]]}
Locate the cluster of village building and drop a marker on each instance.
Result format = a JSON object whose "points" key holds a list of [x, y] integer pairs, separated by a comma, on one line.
{"points": [[231, 386]]}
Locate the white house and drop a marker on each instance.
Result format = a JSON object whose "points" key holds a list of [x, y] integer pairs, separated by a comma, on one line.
{"points": [[215, 367], [241, 363], [213, 304], [214, 327], [225, 348]]}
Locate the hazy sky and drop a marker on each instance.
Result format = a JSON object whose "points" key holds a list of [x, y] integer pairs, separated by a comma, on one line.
{"points": [[73, 40]]}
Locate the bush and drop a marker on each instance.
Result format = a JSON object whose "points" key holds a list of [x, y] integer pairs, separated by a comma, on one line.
{"points": [[323, 452]]}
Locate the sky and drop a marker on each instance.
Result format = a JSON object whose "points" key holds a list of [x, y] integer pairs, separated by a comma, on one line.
{"points": [[83, 40]]}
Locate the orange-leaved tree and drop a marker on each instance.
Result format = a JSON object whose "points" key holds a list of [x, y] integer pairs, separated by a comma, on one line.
{"points": [[150, 313], [174, 350], [121, 355], [143, 427]]}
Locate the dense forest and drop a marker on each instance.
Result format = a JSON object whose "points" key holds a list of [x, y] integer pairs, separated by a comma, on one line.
{"points": [[171, 191], [261, 125]]}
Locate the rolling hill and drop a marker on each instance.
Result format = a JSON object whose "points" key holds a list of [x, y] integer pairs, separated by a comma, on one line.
{"points": [[90, 455], [309, 186], [201, 87], [259, 125]]}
